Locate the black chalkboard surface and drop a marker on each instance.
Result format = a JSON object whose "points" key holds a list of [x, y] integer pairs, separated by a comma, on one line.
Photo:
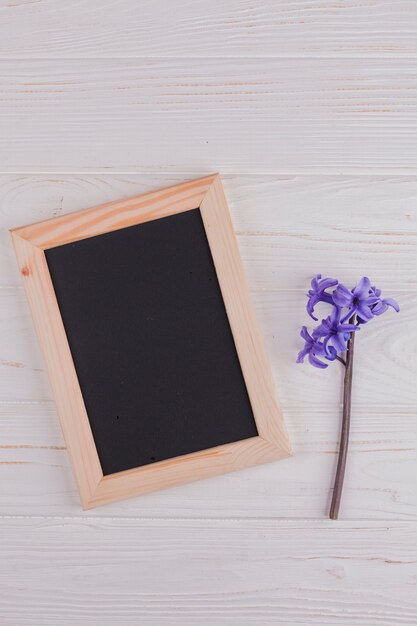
{"points": [[151, 341]]}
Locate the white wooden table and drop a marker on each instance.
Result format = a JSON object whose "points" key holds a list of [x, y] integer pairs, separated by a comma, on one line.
{"points": [[309, 111]]}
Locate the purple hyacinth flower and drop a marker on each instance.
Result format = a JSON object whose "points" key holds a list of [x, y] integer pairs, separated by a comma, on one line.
{"points": [[381, 306], [383, 303], [314, 349], [317, 293], [360, 300], [334, 331]]}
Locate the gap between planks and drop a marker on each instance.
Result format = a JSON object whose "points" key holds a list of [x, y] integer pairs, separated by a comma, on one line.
{"points": [[291, 522], [376, 408], [410, 290], [222, 57], [190, 173]]}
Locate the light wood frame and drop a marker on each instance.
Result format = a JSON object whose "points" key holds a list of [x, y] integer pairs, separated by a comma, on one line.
{"points": [[30, 243]]}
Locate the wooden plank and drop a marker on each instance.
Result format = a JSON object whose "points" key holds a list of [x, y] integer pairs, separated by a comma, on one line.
{"points": [[222, 573], [380, 483], [278, 219], [385, 365], [227, 115], [278, 262], [27, 425], [208, 28]]}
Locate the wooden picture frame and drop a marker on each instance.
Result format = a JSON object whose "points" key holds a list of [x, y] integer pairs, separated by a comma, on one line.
{"points": [[31, 241]]}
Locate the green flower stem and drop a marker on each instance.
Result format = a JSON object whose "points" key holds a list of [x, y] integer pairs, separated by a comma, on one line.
{"points": [[344, 438]]}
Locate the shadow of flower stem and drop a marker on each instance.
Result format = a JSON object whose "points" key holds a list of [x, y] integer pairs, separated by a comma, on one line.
{"points": [[344, 437]]}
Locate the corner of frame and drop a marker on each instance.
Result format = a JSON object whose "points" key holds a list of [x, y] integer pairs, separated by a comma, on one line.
{"points": [[16, 234], [212, 181], [281, 444]]}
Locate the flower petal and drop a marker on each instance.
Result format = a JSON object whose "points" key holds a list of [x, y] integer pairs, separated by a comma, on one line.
{"points": [[326, 297], [306, 336], [302, 354], [315, 361], [379, 308], [393, 303], [319, 349], [371, 300], [326, 344], [339, 342], [322, 329], [315, 282], [362, 288], [332, 354], [334, 317], [347, 328], [364, 311], [327, 282], [342, 297], [313, 299]]}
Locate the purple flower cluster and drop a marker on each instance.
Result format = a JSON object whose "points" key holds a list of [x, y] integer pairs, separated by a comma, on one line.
{"points": [[350, 309]]}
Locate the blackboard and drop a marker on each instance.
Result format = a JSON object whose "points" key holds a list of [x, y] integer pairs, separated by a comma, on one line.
{"points": [[151, 342], [155, 358]]}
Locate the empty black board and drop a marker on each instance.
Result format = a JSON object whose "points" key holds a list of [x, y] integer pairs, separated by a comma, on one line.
{"points": [[151, 342]]}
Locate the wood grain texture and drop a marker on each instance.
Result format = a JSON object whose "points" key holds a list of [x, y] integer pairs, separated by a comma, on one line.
{"points": [[278, 220], [123, 213], [71, 571], [227, 115], [239, 307], [221, 93], [36, 478], [52, 337], [209, 28]]}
